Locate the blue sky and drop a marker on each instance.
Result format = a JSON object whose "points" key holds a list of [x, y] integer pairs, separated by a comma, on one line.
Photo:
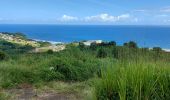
{"points": [[114, 12]]}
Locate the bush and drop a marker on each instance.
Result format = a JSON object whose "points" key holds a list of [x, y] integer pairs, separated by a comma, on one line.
{"points": [[3, 55], [50, 75], [50, 51], [72, 69], [101, 53]]}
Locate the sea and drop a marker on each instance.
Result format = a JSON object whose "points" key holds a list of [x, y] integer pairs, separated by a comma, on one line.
{"points": [[144, 36]]}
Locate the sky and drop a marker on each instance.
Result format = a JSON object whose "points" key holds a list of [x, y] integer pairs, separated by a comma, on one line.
{"points": [[97, 12]]}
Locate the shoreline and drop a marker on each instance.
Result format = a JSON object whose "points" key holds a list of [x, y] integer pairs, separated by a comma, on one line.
{"points": [[166, 50], [57, 42], [52, 42]]}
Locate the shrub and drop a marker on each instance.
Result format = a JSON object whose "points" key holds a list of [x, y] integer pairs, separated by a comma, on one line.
{"points": [[50, 51], [72, 69], [50, 75], [3, 55], [102, 53]]}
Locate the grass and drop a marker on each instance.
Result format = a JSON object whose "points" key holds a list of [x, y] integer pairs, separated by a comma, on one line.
{"points": [[120, 72], [134, 81]]}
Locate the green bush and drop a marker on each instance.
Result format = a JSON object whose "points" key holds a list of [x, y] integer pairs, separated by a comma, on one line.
{"points": [[50, 51], [50, 75], [102, 53], [3, 55], [71, 68]]}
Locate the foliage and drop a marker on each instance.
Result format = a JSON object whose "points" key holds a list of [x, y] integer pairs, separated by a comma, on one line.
{"points": [[101, 53], [131, 44], [3, 55], [50, 51], [44, 44]]}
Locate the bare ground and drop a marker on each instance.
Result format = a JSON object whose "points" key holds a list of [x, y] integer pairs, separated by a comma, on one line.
{"points": [[26, 92]]}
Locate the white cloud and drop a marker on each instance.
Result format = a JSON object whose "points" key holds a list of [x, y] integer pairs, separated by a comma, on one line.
{"points": [[68, 18], [107, 18], [100, 18]]}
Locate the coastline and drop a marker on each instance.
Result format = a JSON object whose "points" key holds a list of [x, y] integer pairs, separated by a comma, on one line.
{"points": [[166, 50], [52, 42]]}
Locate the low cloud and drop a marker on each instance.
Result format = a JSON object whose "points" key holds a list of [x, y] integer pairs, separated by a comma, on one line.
{"points": [[96, 18], [66, 18], [107, 18]]}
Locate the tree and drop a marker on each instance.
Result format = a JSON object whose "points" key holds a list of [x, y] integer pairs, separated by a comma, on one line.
{"points": [[112, 43], [131, 44], [102, 53], [157, 49]]}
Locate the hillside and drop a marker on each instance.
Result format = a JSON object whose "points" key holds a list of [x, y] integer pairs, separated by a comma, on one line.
{"points": [[97, 72], [18, 38]]}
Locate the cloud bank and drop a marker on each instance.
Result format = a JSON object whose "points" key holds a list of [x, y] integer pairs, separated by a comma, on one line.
{"points": [[107, 18], [101, 18]]}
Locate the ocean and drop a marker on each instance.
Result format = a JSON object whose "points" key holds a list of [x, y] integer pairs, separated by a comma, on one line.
{"points": [[145, 36]]}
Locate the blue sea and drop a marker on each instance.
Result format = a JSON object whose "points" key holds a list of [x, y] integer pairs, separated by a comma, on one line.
{"points": [[145, 36]]}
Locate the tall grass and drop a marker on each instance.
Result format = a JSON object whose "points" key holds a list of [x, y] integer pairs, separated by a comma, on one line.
{"points": [[134, 81]]}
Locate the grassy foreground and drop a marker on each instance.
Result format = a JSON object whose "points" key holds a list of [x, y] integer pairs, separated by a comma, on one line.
{"points": [[134, 81], [100, 71]]}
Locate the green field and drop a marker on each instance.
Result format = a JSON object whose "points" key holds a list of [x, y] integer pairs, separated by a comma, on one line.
{"points": [[100, 71]]}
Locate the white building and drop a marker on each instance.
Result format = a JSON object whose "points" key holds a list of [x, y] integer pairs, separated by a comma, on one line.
{"points": [[88, 43]]}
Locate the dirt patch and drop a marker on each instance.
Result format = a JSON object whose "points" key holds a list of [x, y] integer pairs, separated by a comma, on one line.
{"points": [[54, 96], [27, 92]]}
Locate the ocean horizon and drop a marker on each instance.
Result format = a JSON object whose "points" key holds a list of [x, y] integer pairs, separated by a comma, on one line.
{"points": [[145, 35]]}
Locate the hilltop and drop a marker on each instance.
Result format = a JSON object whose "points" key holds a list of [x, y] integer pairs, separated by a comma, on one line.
{"points": [[21, 39], [18, 38]]}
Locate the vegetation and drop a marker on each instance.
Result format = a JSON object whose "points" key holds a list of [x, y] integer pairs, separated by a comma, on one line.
{"points": [[3, 56], [116, 72]]}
